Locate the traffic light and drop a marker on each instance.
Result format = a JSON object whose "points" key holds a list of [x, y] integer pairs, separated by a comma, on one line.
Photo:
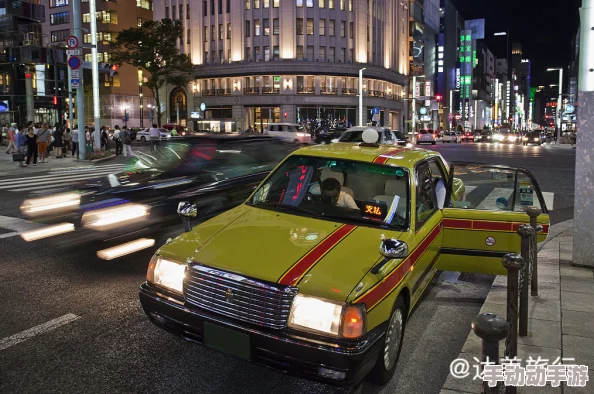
{"points": [[112, 69], [55, 100], [438, 97]]}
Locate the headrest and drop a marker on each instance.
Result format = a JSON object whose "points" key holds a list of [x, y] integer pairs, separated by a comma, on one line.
{"points": [[328, 173], [394, 188]]}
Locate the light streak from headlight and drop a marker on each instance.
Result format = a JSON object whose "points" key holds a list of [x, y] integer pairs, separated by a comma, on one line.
{"points": [[124, 249], [55, 203], [105, 218], [46, 232]]}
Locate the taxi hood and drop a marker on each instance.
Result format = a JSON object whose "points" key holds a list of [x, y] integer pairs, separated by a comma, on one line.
{"points": [[323, 258]]}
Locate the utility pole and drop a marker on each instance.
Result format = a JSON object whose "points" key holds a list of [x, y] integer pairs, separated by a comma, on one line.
{"points": [[95, 72], [361, 97], [583, 245], [80, 92]]}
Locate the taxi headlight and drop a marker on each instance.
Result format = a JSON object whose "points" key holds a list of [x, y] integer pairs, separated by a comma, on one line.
{"points": [[51, 204], [166, 273], [327, 317]]}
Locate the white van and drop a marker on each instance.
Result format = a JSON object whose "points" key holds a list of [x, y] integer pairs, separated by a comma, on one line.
{"points": [[290, 132]]}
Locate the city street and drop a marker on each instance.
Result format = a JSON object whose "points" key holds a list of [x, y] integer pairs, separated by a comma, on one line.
{"points": [[73, 323]]}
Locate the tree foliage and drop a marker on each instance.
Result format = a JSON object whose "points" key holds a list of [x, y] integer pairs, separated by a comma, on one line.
{"points": [[153, 47]]}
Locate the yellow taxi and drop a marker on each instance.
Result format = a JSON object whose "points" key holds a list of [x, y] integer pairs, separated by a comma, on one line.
{"points": [[317, 273]]}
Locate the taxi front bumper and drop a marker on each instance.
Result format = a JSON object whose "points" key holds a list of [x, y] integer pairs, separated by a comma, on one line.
{"points": [[322, 361]]}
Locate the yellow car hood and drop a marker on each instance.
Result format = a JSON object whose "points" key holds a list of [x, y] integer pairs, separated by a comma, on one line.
{"points": [[323, 258]]}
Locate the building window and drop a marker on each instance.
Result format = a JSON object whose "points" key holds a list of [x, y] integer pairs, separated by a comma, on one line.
{"points": [[188, 34], [322, 54], [213, 33], [310, 53], [256, 28], [146, 4], [342, 5], [351, 30], [248, 54], [228, 6], [204, 8], [310, 29], [331, 4], [332, 54], [275, 52], [59, 35], [299, 52], [228, 31], [248, 28], [188, 11], [60, 18], [86, 18], [166, 12], [275, 3], [351, 5], [352, 55], [205, 33], [266, 3], [248, 4], [205, 57], [173, 14], [331, 28], [213, 57], [322, 27], [266, 23], [220, 7], [256, 4], [229, 55], [322, 3], [275, 27], [300, 26], [342, 55], [212, 9], [181, 12], [139, 22], [221, 58], [343, 29], [266, 54], [257, 54], [221, 31], [309, 3], [299, 3], [58, 3]]}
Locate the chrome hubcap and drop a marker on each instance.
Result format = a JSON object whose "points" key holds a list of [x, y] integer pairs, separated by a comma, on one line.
{"points": [[393, 335]]}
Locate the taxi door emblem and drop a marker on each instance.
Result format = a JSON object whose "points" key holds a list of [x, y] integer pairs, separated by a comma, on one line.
{"points": [[229, 296]]}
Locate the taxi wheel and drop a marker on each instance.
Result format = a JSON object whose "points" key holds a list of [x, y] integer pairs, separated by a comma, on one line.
{"points": [[387, 360]]}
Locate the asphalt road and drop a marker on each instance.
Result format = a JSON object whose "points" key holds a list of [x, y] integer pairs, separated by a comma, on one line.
{"points": [[102, 342]]}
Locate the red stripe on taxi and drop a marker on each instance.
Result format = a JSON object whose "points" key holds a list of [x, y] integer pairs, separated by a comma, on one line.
{"points": [[383, 158], [495, 226], [296, 272], [463, 224], [457, 223], [377, 293]]}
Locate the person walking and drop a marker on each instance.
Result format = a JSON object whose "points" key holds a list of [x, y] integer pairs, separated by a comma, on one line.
{"points": [[59, 140], [75, 141], [11, 139], [20, 144], [31, 143], [155, 136], [118, 140], [67, 139], [127, 140], [43, 139], [4, 132]]}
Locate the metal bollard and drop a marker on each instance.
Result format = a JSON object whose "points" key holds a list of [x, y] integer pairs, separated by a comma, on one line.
{"points": [[491, 329], [527, 233], [513, 263], [533, 212]]}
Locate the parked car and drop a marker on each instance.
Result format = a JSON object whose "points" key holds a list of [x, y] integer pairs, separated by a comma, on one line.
{"points": [[386, 136], [297, 281], [451, 136], [144, 135], [215, 172], [289, 132], [427, 136]]}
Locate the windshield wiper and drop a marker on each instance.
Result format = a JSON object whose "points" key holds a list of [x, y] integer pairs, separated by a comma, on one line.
{"points": [[361, 220]]}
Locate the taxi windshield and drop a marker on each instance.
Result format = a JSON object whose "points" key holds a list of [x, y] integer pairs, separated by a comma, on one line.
{"points": [[338, 190]]}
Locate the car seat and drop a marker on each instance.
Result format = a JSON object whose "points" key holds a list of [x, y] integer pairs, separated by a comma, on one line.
{"points": [[339, 176], [394, 188]]}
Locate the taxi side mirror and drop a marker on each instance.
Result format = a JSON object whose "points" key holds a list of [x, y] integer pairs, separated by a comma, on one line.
{"points": [[187, 212], [393, 249]]}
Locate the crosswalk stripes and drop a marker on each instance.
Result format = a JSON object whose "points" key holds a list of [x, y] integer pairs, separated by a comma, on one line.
{"points": [[58, 178]]}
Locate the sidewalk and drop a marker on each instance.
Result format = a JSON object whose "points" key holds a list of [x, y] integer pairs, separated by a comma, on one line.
{"points": [[561, 318], [11, 168]]}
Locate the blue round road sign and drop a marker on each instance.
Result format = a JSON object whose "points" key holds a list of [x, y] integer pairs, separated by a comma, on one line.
{"points": [[74, 62], [569, 109], [202, 107], [376, 110]]}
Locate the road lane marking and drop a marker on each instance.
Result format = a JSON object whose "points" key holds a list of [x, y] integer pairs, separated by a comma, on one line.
{"points": [[51, 325]]}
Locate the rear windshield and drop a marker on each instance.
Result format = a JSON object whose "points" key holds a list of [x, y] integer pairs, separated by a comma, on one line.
{"points": [[425, 131]]}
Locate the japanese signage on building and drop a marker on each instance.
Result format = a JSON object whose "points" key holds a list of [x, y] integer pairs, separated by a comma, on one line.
{"points": [[466, 60]]}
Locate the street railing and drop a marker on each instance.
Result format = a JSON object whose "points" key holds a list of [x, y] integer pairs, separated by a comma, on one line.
{"points": [[491, 329]]}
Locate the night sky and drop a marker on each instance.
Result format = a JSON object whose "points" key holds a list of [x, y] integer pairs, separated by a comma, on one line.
{"points": [[545, 29]]}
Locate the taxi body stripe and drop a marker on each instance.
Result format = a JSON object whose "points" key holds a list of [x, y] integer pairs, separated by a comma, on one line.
{"points": [[305, 263], [383, 158], [483, 225], [382, 289]]}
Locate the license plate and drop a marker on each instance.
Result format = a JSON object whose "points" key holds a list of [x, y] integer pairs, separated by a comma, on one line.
{"points": [[227, 341]]}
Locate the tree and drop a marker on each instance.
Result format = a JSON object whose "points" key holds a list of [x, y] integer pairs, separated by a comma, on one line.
{"points": [[153, 47]]}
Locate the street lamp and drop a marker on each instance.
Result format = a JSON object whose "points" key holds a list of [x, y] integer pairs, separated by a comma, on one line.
{"points": [[559, 106], [361, 96]]}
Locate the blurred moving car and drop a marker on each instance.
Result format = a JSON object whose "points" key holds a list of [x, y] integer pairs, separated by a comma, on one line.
{"points": [[386, 136], [322, 136], [289, 132], [427, 136], [318, 271], [179, 129], [484, 136], [401, 139], [451, 136], [532, 137], [215, 172], [144, 135]]}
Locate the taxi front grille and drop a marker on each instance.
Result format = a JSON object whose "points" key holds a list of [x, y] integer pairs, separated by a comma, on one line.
{"points": [[238, 297]]}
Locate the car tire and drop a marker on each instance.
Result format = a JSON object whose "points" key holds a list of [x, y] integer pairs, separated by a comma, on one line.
{"points": [[142, 139], [387, 359]]}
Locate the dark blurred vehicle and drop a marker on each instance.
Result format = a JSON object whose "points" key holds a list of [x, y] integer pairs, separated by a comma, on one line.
{"points": [[509, 137], [322, 136], [484, 136], [401, 139], [532, 137], [179, 129], [216, 172], [355, 135]]}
